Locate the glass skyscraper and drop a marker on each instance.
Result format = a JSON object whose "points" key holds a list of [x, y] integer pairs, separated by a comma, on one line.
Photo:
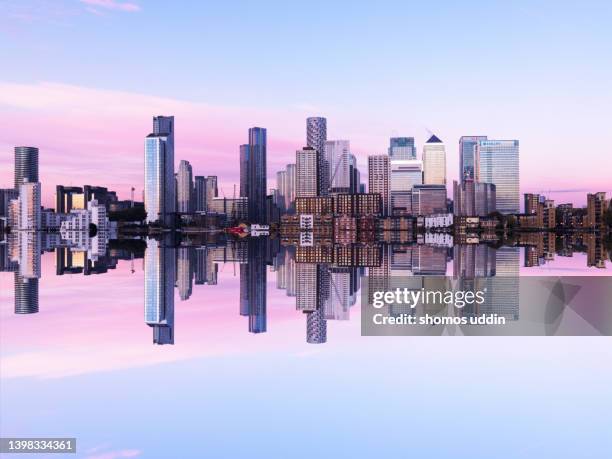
{"points": [[402, 148], [26, 165], [498, 163], [316, 136], [159, 196], [467, 156], [253, 174]]}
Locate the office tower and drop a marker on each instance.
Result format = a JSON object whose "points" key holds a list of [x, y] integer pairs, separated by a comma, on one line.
{"points": [[67, 198], [405, 174], [185, 187], [498, 163], [467, 157], [354, 174], [26, 165], [428, 199], [29, 206], [253, 176], [160, 200], [316, 136], [379, 181], [290, 189], [281, 189], [306, 175], [434, 162], [199, 189], [402, 148], [211, 190], [532, 203], [337, 155], [28, 245], [472, 199], [159, 290], [597, 205]]}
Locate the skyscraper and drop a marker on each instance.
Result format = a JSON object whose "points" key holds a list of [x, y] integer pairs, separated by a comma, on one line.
{"points": [[468, 168], [306, 176], [185, 193], [337, 155], [159, 171], [316, 136], [498, 163], [281, 189], [290, 187], [379, 179], [253, 174], [402, 148], [405, 174], [26, 165], [434, 162], [211, 190], [199, 188]]}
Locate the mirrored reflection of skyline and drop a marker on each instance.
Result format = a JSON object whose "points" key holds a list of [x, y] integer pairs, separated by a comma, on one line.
{"points": [[322, 281]]}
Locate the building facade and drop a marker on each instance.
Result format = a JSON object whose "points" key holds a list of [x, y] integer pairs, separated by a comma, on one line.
{"points": [[467, 157], [402, 148], [306, 175], [434, 162], [184, 188], [498, 163], [379, 179]]}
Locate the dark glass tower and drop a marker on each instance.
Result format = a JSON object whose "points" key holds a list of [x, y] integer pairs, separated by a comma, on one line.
{"points": [[253, 176], [26, 165]]}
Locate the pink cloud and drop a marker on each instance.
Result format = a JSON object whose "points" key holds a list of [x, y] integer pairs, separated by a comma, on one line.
{"points": [[96, 136], [112, 5]]}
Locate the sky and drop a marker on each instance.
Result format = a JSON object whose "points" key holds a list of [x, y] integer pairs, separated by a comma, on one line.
{"points": [[82, 79]]}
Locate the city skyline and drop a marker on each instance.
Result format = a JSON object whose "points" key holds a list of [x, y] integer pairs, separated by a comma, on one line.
{"points": [[87, 120]]}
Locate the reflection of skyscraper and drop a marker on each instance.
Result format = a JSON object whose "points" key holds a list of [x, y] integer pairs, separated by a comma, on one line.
{"points": [[316, 136], [253, 276], [184, 271], [26, 295], [26, 279], [26, 165], [316, 327], [159, 291]]}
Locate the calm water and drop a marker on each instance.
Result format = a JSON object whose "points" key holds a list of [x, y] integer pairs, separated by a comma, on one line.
{"points": [[182, 353]]}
